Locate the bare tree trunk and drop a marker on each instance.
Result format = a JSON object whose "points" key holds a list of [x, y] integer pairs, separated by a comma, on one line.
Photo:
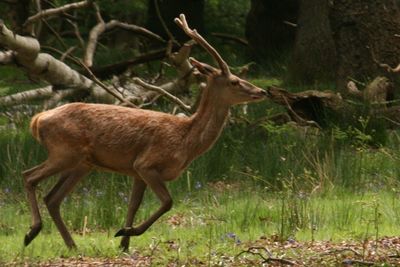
{"points": [[362, 28], [267, 28], [314, 54]]}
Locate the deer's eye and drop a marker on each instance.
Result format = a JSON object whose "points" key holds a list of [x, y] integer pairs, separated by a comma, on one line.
{"points": [[234, 82]]}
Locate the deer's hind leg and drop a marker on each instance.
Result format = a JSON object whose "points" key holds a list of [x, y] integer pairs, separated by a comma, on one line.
{"points": [[54, 198]]}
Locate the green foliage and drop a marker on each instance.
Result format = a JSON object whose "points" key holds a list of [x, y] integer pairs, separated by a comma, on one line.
{"points": [[226, 16]]}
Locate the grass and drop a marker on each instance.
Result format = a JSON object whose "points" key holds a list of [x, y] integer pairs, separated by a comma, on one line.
{"points": [[217, 219], [273, 181]]}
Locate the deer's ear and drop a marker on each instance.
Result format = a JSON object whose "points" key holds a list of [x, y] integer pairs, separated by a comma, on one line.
{"points": [[203, 68]]}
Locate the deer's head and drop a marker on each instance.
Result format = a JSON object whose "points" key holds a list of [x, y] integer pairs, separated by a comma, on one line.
{"points": [[231, 88]]}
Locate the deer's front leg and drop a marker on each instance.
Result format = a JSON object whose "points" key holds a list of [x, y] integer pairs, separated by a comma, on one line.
{"points": [[154, 180], [138, 188]]}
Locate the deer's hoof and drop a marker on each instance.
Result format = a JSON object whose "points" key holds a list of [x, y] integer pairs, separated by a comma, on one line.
{"points": [[34, 231], [124, 245], [122, 232]]}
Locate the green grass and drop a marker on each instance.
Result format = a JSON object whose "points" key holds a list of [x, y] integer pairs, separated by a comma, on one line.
{"points": [[220, 218], [258, 181], [263, 181]]}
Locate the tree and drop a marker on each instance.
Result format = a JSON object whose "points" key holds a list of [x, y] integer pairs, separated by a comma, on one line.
{"points": [[364, 31], [80, 82], [314, 53], [267, 27]]}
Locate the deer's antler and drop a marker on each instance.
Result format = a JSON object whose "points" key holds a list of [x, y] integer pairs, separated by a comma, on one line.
{"points": [[182, 23]]}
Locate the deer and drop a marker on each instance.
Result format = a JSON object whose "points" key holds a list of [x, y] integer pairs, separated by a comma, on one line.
{"points": [[151, 147]]}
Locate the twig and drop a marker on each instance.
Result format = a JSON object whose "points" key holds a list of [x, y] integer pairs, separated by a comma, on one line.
{"points": [[67, 53], [101, 27], [298, 117], [55, 11], [383, 65], [290, 23], [351, 262], [77, 33], [231, 37], [163, 92], [265, 260], [164, 25], [102, 85], [72, 58], [116, 68], [58, 37], [335, 251]]}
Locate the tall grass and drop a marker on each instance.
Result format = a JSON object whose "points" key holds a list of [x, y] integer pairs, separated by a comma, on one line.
{"points": [[285, 181]]}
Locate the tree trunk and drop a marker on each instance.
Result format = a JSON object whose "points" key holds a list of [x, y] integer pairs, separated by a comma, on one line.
{"points": [[314, 55], [169, 10], [363, 28], [266, 30]]}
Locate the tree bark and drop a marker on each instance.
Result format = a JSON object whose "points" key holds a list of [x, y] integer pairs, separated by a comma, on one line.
{"points": [[314, 55], [363, 28], [266, 30]]}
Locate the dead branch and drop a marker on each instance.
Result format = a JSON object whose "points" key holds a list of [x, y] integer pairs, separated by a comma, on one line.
{"points": [[164, 93], [383, 65], [298, 119], [101, 27], [108, 90], [290, 23], [36, 94], [6, 57], [231, 37], [163, 24], [351, 262], [254, 251], [67, 53], [118, 68], [55, 11], [77, 33], [42, 66]]}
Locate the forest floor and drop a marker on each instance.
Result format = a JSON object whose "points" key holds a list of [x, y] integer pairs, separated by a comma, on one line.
{"points": [[263, 252]]}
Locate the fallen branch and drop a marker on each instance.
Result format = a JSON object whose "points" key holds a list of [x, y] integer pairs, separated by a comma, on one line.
{"points": [[231, 37], [55, 11], [250, 250], [383, 65], [351, 262], [118, 68], [163, 92], [26, 96], [108, 90], [6, 57], [102, 27]]}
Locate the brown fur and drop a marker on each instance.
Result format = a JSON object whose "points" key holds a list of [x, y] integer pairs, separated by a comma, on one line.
{"points": [[152, 147]]}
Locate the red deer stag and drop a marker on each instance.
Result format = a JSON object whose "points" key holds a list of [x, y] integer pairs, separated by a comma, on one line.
{"points": [[152, 147]]}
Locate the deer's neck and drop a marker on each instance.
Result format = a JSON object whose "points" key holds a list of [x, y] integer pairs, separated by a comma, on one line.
{"points": [[207, 122]]}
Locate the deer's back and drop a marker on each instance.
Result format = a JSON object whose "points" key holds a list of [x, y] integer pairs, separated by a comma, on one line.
{"points": [[108, 126]]}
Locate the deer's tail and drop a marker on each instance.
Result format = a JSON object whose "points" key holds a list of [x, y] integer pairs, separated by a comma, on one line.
{"points": [[35, 127]]}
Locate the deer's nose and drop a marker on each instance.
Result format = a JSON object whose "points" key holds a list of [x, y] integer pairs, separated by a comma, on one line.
{"points": [[263, 92]]}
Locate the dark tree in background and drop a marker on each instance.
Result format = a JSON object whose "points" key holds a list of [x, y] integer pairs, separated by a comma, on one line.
{"points": [[314, 53], [170, 9], [360, 29], [266, 31], [16, 13], [333, 40]]}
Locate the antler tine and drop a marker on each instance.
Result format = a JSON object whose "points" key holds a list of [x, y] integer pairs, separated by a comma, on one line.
{"points": [[182, 23]]}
